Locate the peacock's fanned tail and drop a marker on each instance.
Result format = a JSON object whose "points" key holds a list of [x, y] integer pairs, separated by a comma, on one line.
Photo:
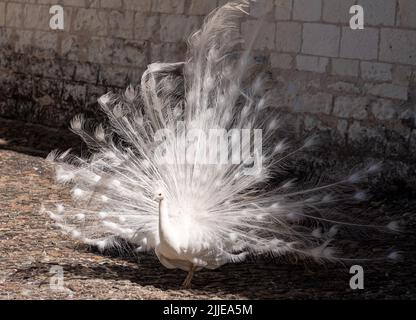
{"points": [[231, 208]]}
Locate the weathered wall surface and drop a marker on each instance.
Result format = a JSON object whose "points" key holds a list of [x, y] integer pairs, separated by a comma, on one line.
{"points": [[48, 76], [356, 86]]}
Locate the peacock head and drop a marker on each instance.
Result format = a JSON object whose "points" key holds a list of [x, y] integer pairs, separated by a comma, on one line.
{"points": [[159, 196]]}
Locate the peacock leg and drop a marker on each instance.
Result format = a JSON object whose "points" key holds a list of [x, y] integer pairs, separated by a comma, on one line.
{"points": [[187, 283]]}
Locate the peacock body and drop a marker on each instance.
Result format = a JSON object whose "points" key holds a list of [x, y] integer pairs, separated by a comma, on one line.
{"points": [[158, 178]]}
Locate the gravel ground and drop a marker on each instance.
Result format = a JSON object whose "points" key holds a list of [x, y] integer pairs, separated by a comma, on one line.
{"points": [[30, 246]]}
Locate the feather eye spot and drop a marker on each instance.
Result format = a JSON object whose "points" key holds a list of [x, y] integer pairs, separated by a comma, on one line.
{"points": [[275, 205], [394, 226], [115, 183], [60, 208], [104, 99], [80, 217], [78, 193], [395, 255], [360, 196], [233, 236], [354, 178], [77, 122], [103, 215], [280, 147], [261, 217], [75, 234], [317, 233], [293, 217], [63, 176], [333, 231]]}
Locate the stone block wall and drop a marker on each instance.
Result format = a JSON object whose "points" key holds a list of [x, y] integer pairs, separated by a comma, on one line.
{"points": [[356, 87], [47, 76]]}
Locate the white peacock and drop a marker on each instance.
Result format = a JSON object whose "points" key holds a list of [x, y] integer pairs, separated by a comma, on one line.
{"points": [[196, 215]]}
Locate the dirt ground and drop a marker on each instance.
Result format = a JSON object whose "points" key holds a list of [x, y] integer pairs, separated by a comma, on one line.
{"points": [[31, 248]]}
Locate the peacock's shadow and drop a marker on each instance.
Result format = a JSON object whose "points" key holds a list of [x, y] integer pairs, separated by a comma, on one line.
{"points": [[263, 278], [260, 279]]}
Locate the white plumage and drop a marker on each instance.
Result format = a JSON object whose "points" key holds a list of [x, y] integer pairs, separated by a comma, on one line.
{"points": [[195, 214]]}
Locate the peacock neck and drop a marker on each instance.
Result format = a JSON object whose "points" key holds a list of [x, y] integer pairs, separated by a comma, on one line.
{"points": [[163, 221]]}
